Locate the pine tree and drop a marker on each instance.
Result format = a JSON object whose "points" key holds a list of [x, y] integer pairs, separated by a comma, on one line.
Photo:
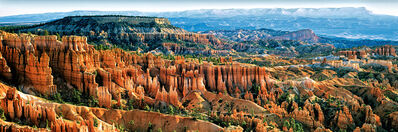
{"points": [[58, 37], [46, 33]]}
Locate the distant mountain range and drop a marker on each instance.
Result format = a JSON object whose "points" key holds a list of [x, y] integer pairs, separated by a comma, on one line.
{"points": [[349, 22]]}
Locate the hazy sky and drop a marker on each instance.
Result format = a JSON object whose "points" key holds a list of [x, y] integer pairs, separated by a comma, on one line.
{"points": [[15, 7]]}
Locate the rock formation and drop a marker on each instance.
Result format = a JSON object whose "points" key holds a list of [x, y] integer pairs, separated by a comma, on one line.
{"points": [[118, 85], [385, 50]]}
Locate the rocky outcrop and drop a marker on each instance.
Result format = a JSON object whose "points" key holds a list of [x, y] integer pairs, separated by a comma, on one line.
{"points": [[65, 117], [350, 54], [64, 126], [386, 50], [32, 68], [16, 108], [34, 112], [343, 119], [5, 71], [311, 115], [36, 60]]}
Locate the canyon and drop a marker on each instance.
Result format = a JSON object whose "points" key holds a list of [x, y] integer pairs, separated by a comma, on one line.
{"points": [[126, 90], [138, 73]]}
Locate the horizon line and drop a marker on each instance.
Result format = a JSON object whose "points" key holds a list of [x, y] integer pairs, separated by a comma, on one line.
{"points": [[165, 11]]}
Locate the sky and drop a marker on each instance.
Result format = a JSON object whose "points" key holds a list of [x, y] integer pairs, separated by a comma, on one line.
{"points": [[16, 7]]}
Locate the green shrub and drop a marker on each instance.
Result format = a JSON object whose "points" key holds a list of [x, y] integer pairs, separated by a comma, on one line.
{"points": [[130, 104], [171, 110], [291, 123], [150, 126], [147, 108], [46, 33], [57, 98], [92, 102], [3, 117], [131, 122], [120, 127], [95, 122]]}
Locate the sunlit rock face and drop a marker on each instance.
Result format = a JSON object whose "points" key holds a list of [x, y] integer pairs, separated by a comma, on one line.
{"points": [[101, 73], [32, 68], [5, 69]]}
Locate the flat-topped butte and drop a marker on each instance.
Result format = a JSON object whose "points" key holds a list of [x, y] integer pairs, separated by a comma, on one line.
{"points": [[102, 19]]}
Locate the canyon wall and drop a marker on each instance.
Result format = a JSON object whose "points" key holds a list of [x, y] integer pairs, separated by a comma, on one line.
{"points": [[39, 60]]}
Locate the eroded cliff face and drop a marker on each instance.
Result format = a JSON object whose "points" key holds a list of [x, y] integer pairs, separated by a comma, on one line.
{"points": [[64, 117], [31, 68], [5, 70], [385, 50], [17, 108], [106, 75], [213, 96], [87, 69]]}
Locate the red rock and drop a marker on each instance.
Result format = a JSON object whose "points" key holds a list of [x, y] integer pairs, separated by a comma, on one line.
{"points": [[5, 71], [386, 50], [343, 119], [104, 97]]}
